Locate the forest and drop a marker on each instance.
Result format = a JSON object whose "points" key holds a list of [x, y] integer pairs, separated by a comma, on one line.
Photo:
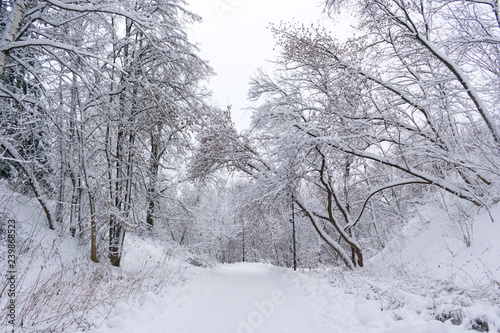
{"points": [[106, 120], [122, 177]]}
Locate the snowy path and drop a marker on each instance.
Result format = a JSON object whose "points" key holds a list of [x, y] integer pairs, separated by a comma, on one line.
{"points": [[242, 298], [254, 298]]}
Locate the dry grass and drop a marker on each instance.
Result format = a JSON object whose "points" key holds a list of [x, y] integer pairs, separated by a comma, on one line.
{"points": [[66, 299]]}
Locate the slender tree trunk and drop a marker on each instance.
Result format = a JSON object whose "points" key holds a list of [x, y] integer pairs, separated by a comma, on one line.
{"points": [[87, 186], [116, 225], [62, 165], [60, 184], [75, 161], [154, 166], [93, 229], [116, 235], [33, 181], [347, 175], [123, 194], [75, 204], [124, 167], [332, 199], [12, 27], [130, 174]]}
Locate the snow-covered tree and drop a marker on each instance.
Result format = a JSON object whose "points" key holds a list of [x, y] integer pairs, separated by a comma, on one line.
{"points": [[112, 80], [412, 104], [413, 101]]}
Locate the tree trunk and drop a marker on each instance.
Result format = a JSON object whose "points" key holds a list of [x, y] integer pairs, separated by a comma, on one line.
{"points": [[115, 223], [74, 219], [30, 174], [124, 170], [60, 184], [12, 27], [116, 236], [62, 172], [154, 166], [332, 198], [93, 230]]}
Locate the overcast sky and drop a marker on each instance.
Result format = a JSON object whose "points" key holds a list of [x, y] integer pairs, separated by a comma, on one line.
{"points": [[235, 39]]}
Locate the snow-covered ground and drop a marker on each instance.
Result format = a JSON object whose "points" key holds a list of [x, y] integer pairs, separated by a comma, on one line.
{"points": [[426, 281], [259, 298]]}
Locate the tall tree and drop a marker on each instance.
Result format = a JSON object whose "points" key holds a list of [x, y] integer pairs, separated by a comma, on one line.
{"points": [[108, 74], [405, 105], [408, 96]]}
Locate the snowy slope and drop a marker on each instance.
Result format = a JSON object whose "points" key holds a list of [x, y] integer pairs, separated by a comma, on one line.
{"points": [[434, 249], [58, 288], [430, 270]]}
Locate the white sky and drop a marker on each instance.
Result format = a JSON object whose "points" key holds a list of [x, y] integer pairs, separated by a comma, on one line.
{"points": [[235, 39]]}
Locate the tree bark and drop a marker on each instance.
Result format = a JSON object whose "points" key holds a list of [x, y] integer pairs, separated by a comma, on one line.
{"points": [[154, 166], [11, 29], [115, 225]]}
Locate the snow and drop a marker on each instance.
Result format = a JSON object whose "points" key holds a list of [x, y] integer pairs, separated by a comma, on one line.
{"points": [[261, 298], [426, 281], [428, 275], [434, 249], [230, 298]]}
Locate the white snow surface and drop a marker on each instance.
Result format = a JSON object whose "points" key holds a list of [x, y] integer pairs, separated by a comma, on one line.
{"points": [[433, 248], [249, 297]]}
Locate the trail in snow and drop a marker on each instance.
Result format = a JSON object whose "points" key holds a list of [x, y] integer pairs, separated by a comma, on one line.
{"points": [[256, 298], [242, 298]]}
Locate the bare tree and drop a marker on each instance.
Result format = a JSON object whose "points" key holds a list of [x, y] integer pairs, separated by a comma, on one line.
{"points": [[409, 96], [106, 74], [405, 105]]}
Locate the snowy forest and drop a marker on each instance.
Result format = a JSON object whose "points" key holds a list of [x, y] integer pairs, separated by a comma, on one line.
{"points": [[107, 126]]}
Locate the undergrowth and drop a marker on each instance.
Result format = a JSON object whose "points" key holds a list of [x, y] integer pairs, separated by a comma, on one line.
{"points": [[66, 298], [407, 293]]}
